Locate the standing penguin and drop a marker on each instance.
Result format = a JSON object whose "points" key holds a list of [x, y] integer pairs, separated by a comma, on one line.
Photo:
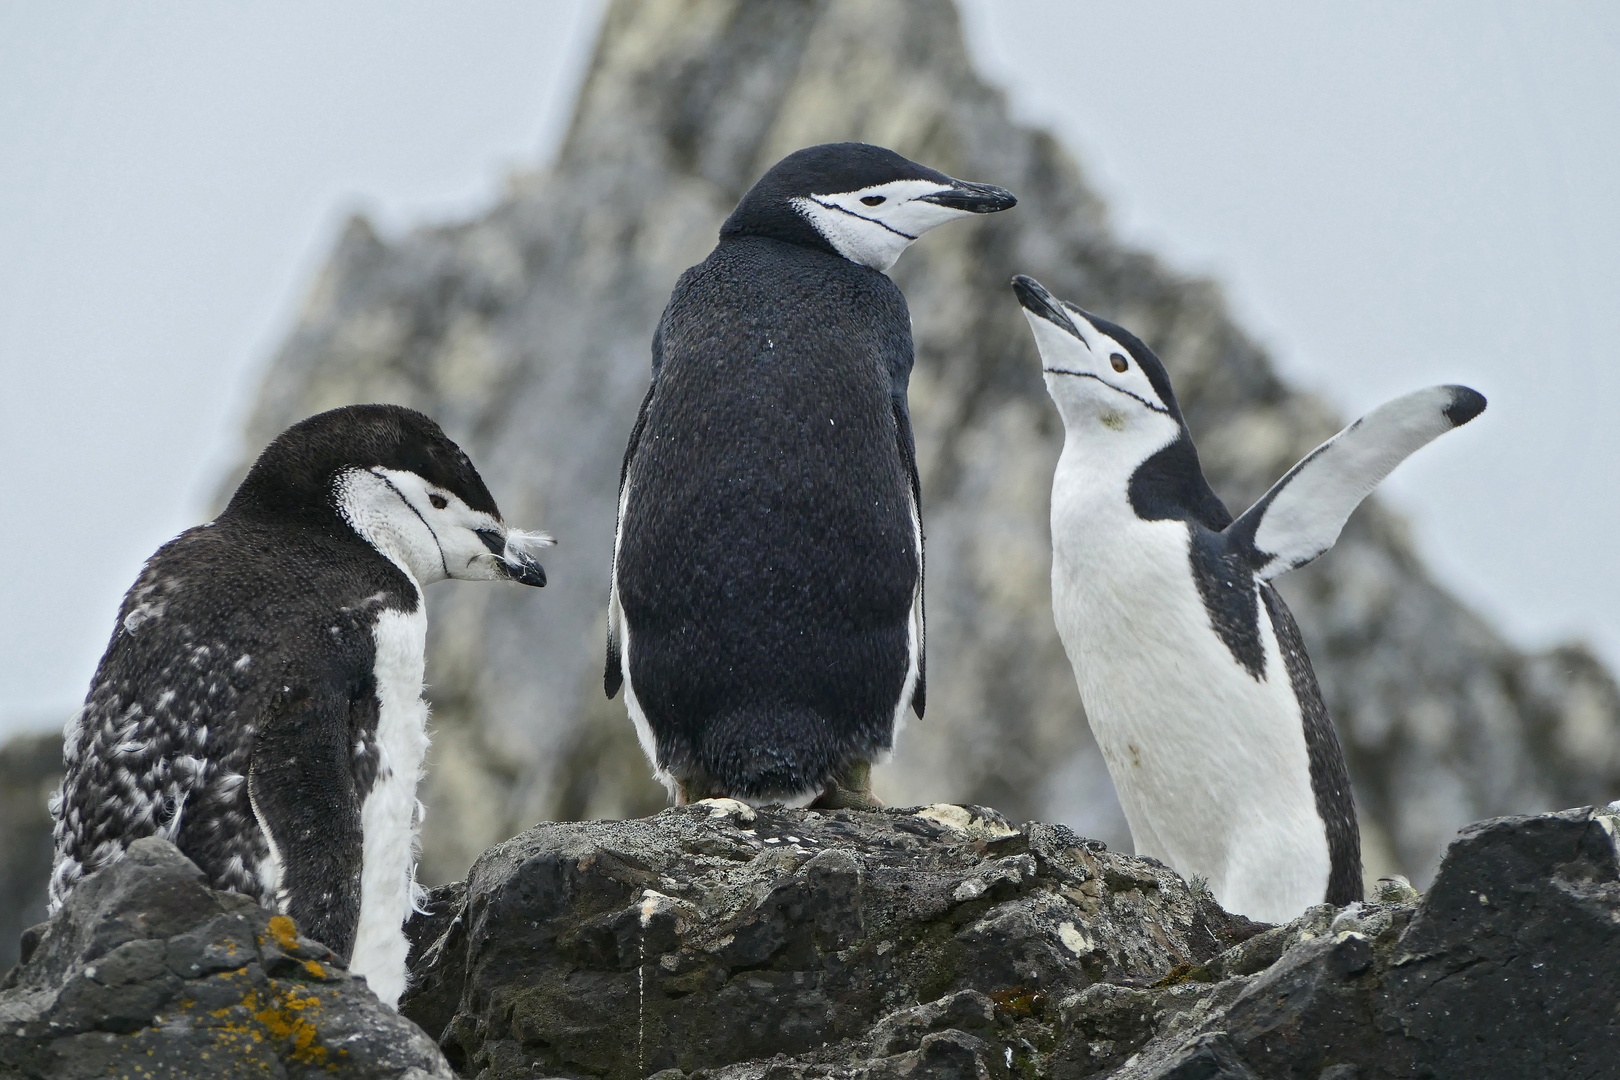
{"points": [[1191, 668], [766, 603], [260, 703]]}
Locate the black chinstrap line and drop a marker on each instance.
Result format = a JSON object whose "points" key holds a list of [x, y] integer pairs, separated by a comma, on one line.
{"points": [[1111, 386], [443, 562], [861, 217]]}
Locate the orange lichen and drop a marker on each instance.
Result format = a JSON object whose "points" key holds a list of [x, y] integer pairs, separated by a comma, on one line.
{"points": [[291, 1016], [315, 969], [285, 931], [284, 1017]]}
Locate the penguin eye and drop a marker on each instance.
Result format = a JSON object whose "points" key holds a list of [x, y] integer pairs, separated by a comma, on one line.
{"points": [[1119, 362], [439, 501], [872, 200]]}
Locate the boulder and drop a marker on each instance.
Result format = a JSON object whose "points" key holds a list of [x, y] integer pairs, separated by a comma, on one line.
{"points": [[723, 942], [716, 933], [148, 972]]}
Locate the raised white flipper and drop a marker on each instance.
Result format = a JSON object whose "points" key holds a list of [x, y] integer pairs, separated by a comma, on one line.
{"points": [[1303, 513]]}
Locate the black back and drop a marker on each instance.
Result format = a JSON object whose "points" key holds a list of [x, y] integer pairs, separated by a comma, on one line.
{"points": [[768, 561], [246, 649]]}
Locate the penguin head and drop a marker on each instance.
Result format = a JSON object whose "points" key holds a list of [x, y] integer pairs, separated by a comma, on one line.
{"points": [[1108, 386], [860, 201], [390, 476]]}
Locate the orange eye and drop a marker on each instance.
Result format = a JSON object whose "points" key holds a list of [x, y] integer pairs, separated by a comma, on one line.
{"points": [[1119, 362]]}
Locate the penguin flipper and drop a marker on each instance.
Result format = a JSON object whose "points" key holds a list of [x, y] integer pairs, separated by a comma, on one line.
{"points": [[908, 455], [1303, 513], [613, 670], [302, 789]]}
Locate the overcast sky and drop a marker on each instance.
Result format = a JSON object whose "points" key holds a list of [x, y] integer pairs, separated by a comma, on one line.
{"points": [[1392, 195]]}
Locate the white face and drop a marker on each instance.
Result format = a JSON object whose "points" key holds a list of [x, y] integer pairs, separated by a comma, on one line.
{"points": [[1101, 391], [874, 225], [431, 533]]}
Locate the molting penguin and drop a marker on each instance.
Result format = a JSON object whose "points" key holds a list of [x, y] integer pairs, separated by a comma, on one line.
{"points": [[766, 603], [1192, 670], [260, 702]]}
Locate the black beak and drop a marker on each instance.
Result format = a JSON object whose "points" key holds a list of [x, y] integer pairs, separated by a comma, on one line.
{"points": [[1033, 295], [527, 570], [974, 198]]}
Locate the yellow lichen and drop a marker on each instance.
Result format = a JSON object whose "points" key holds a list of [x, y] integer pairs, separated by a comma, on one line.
{"points": [[285, 931], [315, 969], [291, 1015]]}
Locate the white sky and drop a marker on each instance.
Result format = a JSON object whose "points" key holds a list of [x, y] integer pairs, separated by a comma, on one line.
{"points": [[1392, 194]]}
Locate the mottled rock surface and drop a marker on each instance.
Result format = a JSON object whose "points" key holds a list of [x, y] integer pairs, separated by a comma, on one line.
{"points": [[1508, 967], [147, 972], [718, 942], [715, 933], [526, 332], [944, 943]]}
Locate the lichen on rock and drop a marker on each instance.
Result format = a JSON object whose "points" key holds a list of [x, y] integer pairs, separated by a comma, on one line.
{"points": [[146, 971]]}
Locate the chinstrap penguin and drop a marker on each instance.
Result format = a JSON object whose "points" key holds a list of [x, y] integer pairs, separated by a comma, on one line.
{"points": [[765, 612], [260, 702], [1192, 671]]}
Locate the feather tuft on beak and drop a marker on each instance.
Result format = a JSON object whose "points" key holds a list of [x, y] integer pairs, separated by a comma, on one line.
{"points": [[519, 556]]}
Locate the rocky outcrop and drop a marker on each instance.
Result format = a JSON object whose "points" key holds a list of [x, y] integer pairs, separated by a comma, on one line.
{"points": [[147, 972], [719, 942], [716, 933], [942, 942], [525, 332]]}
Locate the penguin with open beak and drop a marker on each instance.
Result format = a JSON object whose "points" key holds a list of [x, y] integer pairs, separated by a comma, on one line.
{"points": [[1193, 673]]}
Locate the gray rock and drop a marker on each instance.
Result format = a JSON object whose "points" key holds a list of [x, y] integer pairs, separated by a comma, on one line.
{"points": [[146, 971], [526, 331], [721, 943], [712, 934]]}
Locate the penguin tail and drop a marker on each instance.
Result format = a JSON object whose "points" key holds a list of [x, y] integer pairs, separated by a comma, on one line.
{"points": [[766, 752]]}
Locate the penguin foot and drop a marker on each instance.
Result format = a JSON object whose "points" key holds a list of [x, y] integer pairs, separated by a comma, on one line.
{"points": [[850, 789], [696, 789]]}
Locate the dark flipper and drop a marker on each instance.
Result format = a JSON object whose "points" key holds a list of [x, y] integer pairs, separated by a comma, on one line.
{"points": [[613, 672], [908, 455], [1330, 780], [302, 786]]}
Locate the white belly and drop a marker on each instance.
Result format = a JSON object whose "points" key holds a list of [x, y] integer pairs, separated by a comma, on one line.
{"points": [[389, 817], [1210, 764]]}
